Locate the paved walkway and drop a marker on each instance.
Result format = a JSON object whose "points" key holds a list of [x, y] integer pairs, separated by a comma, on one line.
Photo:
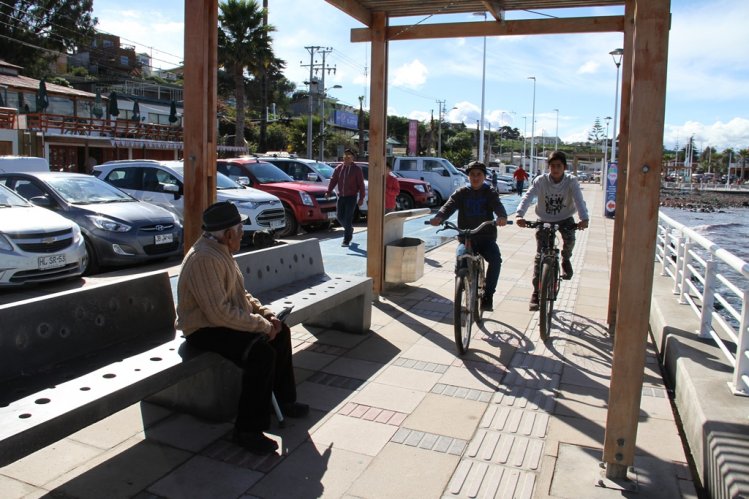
{"points": [[397, 414]]}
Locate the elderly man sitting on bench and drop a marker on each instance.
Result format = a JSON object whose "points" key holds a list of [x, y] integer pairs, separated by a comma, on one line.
{"points": [[217, 314]]}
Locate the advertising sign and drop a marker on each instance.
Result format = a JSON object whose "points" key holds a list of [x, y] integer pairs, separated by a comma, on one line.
{"points": [[413, 137], [345, 119], [609, 205]]}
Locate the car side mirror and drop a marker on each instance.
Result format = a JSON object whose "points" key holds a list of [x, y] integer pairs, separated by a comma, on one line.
{"points": [[42, 201], [243, 181], [312, 177], [445, 173]]}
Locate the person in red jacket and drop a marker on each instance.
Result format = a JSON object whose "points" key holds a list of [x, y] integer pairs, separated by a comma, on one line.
{"points": [[349, 179], [392, 189], [520, 177]]}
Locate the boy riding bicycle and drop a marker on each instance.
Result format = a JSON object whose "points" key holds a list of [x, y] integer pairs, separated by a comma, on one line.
{"points": [[559, 196], [477, 204]]}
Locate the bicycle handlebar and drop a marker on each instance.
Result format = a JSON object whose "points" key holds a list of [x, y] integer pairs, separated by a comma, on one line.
{"points": [[538, 224], [446, 224]]}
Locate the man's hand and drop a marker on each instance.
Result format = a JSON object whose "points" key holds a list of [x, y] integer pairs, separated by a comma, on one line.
{"points": [[275, 329], [520, 222], [360, 202], [501, 222], [582, 225], [435, 221]]}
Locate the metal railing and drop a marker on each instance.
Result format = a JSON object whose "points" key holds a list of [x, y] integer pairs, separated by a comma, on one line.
{"points": [[715, 284]]}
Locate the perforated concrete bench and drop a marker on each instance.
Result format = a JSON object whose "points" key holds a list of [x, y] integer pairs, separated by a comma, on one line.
{"points": [[294, 274], [70, 359]]}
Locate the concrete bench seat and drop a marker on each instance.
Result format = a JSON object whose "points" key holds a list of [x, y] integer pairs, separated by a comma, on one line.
{"points": [[70, 359]]}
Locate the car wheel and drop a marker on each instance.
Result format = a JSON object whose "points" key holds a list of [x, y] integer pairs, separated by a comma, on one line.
{"points": [[92, 265], [404, 201], [292, 227], [317, 227], [437, 199]]}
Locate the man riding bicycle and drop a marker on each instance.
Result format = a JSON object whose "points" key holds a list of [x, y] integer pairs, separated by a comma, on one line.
{"points": [[477, 204], [559, 196]]}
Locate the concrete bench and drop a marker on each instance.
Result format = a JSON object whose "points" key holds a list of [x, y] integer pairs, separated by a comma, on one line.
{"points": [[70, 359]]}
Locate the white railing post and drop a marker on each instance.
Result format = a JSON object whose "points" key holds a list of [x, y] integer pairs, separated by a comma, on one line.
{"points": [[685, 273], [665, 252], [741, 372], [708, 299], [680, 246]]}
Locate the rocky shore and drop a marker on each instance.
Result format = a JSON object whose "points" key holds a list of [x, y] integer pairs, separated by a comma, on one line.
{"points": [[703, 201]]}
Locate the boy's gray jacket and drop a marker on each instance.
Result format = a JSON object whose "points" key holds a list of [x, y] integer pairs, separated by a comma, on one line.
{"points": [[556, 202]]}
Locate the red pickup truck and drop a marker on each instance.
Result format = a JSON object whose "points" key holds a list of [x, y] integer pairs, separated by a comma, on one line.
{"points": [[305, 204]]}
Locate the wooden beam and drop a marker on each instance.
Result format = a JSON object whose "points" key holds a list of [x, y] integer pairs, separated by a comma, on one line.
{"points": [[201, 37], [377, 137], [622, 156], [354, 9], [601, 24], [495, 8], [647, 110]]}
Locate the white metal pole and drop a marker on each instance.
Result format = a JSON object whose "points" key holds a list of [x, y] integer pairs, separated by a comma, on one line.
{"points": [[525, 138], [533, 127], [617, 56], [483, 89], [556, 134]]}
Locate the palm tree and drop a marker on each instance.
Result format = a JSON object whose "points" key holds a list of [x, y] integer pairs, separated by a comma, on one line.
{"points": [[243, 44]]}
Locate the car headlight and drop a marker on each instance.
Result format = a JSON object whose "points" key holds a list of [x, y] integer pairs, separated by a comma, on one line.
{"points": [[5, 243], [76, 234], [250, 205], [104, 223], [420, 188], [306, 199]]}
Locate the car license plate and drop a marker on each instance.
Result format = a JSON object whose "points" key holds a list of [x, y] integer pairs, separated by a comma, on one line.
{"points": [[277, 224], [51, 262], [331, 214], [163, 238]]}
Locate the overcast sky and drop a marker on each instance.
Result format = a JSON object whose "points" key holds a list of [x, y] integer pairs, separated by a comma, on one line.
{"points": [[708, 71]]}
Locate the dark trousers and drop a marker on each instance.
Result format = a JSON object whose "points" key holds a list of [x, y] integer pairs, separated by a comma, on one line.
{"points": [[519, 187], [567, 230], [266, 368], [489, 251], [345, 209]]}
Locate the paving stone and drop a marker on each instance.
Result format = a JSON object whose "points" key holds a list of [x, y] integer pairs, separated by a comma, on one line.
{"points": [[414, 438], [203, 477]]}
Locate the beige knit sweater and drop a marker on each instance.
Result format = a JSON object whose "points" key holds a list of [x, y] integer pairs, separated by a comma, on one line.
{"points": [[211, 292]]}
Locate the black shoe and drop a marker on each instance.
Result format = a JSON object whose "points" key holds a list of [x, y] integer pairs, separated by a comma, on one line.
{"points": [[533, 305], [295, 410], [566, 269], [345, 243], [487, 304], [255, 442]]}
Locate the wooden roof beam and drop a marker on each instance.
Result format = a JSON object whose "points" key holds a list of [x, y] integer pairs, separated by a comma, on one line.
{"points": [[556, 26], [354, 9]]}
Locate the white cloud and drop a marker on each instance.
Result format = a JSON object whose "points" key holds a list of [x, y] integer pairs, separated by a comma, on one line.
{"points": [[590, 67], [720, 135], [412, 75]]}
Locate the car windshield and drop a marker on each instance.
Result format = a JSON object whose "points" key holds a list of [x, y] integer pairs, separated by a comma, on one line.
{"points": [[266, 173], [449, 166], [86, 190], [9, 199], [324, 169], [222, 181]]}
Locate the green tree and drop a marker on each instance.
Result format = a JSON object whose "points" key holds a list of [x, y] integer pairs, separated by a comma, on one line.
{"points": [[596, 133], [36, 31], [244, 44]]}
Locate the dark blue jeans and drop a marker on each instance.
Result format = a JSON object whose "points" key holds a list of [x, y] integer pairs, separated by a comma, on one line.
{"points": [[489, 250], [345, 209], [519, 187]]}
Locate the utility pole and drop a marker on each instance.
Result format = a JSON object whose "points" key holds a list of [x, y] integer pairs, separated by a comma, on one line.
{"points": [[312, 50], [264, 88], [322, 90], [441, 105]]}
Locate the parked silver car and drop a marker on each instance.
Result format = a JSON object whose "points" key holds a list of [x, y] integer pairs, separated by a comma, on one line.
{"points": [[36, 245], [117, 228]]}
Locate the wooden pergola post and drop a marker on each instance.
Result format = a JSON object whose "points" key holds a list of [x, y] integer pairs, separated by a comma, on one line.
{"points": [[201, 41], [377, 137], [646, 120]]}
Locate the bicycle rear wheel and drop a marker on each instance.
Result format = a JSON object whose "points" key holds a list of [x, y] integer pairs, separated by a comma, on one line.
{"points": [[546, 299], [463, 314]]}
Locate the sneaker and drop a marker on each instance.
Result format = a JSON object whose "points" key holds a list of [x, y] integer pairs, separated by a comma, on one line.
{"points": [[255, 442], [487, 304], [295, 410], [566, 269], [533, 305], [345, 243]]}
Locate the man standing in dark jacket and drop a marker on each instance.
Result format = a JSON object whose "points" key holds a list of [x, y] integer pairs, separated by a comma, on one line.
{"points": [[477, 204], [349, 178]]}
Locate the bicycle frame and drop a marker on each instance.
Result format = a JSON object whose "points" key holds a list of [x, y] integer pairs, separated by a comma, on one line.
{"points": [[547, 282]]}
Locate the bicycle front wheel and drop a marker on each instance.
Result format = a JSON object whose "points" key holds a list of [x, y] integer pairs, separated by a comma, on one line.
{"points": [[463, 316], [546, 299]]}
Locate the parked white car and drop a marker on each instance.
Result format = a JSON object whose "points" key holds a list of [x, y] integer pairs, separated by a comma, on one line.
{"points": [[162, 183], [439, 172], [37, 245]]}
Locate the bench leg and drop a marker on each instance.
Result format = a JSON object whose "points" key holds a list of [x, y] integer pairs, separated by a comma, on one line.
{"points": [[353, 316]]}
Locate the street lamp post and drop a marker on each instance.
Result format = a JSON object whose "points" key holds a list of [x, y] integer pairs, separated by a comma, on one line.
{"points": [[533, 125], [525, 137], [483, 87], [617, 56], [322, 121], [556, 134], [606, 144]]}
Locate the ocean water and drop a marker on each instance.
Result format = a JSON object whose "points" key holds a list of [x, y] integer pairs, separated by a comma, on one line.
{"points": [[729, 228]]}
